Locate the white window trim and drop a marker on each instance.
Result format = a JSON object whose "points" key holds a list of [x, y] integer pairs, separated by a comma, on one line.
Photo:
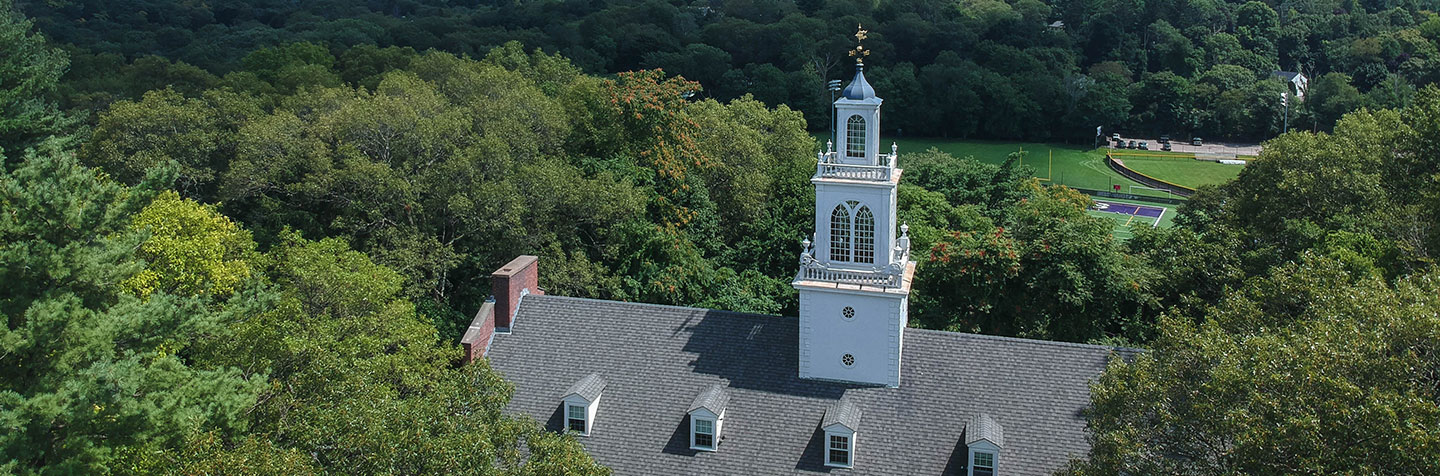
{"points": [[590, 408], [864, 130], [716, 422], [983, 446], [840, 430]]}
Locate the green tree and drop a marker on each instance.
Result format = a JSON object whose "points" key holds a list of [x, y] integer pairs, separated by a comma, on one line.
{"points": [[1332, 96], [361, 383], [94, 370], [191, 250], [197, 133], [29, 72], [1047, 270], [1311, 369]]}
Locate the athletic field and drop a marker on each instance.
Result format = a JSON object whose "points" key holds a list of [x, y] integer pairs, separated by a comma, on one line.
{"points": [[1128, 214]]}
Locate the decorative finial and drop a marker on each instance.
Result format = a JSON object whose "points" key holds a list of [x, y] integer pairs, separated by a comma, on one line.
{"points": [[904, 229], [860, 52], [806, 245], [829, 146]]}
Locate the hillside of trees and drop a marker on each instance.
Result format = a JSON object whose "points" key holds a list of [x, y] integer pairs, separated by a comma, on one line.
{"points": [[972, 68], [260, 265]]}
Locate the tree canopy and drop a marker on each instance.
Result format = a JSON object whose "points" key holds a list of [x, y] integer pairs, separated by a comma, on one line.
{"points": [[1031, 69]]}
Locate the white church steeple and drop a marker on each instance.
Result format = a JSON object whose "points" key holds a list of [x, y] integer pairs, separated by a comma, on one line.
{"points": [[854, 279]]}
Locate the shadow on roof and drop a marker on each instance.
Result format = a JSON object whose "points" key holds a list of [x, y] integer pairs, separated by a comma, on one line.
{"points": [[753, 352], [679, 443]]}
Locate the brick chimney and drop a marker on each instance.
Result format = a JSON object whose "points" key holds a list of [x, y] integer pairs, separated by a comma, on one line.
{"points": [[509, 283], [517, 278], [477, 338]]}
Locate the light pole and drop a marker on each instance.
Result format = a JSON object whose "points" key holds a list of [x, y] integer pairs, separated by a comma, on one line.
{"points": [[1286, 127]]}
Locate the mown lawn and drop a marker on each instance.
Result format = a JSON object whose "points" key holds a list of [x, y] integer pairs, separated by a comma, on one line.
{"points": [[1181, 171], [1070, 165]]}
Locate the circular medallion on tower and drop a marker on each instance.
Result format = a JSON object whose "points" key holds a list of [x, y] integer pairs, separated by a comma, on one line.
{"points": [[848, 360], [848, 312]]}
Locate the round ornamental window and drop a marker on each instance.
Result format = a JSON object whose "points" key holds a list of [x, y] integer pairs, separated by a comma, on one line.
{"points": [[848, 312], [848, 360]]}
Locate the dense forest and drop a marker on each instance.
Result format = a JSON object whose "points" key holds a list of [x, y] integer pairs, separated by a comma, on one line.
{"points": [[970, 68], [245, 239]]}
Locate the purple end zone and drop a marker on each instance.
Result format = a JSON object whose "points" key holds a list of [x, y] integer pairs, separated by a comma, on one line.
{"points": [[1128, 209]]}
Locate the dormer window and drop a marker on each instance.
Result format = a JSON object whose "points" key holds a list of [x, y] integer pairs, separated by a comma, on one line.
{"points": [[982, 464], [704, 434], [576, 415], [984, 437], [581, 402], [707, 416], [841, 421], [839, 452]]}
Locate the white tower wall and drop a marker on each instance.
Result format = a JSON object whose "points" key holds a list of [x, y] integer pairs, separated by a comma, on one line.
{"points": [[882, 200], [873, 337], [852, 312]]}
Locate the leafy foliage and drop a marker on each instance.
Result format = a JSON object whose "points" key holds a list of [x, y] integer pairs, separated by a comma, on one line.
{"points": [[94, 369], [191, 250], [29, 72], [1129, 65], [1311, 369]]}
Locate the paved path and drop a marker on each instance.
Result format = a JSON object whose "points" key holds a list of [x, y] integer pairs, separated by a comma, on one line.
{"points": [[1226, 149]]}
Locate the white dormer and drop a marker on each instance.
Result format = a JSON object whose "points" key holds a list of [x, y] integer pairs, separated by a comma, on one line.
{"points": [[580, 403], [984, 437], [707, 417], [840, 424]]}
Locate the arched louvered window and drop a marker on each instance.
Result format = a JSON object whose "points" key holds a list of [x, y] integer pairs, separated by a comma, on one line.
{"points": [[840, 234], [864, 236], [855, 136]]}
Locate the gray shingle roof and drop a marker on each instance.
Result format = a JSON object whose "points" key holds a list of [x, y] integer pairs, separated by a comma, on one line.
{"points": [[844, 412], [982, 427], [714, 399], [588, 387], [656, 357], [1285, 75]]}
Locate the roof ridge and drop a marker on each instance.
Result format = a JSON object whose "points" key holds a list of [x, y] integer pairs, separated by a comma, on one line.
{"points": [[647, 304], [1025, 340], [772, 316]]}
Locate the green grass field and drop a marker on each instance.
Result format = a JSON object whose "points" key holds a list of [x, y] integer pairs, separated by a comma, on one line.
{"points": [[1183, 171], [1081, 167], [1062, 164]]}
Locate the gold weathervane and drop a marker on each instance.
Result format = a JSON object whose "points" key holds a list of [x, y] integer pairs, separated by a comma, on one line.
{"points": [[860, 52]]}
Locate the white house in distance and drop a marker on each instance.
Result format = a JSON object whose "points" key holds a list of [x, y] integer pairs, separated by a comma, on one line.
{"points": [[1296, 82], [845, 388]]}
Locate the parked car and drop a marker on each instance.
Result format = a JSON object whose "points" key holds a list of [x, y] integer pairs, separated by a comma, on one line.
{"points": [[1195, 141], [1115, 136], [1166, 147], [1132, 145], [1144, 145]]}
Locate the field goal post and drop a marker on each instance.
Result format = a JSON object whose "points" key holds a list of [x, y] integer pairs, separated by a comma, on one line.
{"points": [[1168, 193]]}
